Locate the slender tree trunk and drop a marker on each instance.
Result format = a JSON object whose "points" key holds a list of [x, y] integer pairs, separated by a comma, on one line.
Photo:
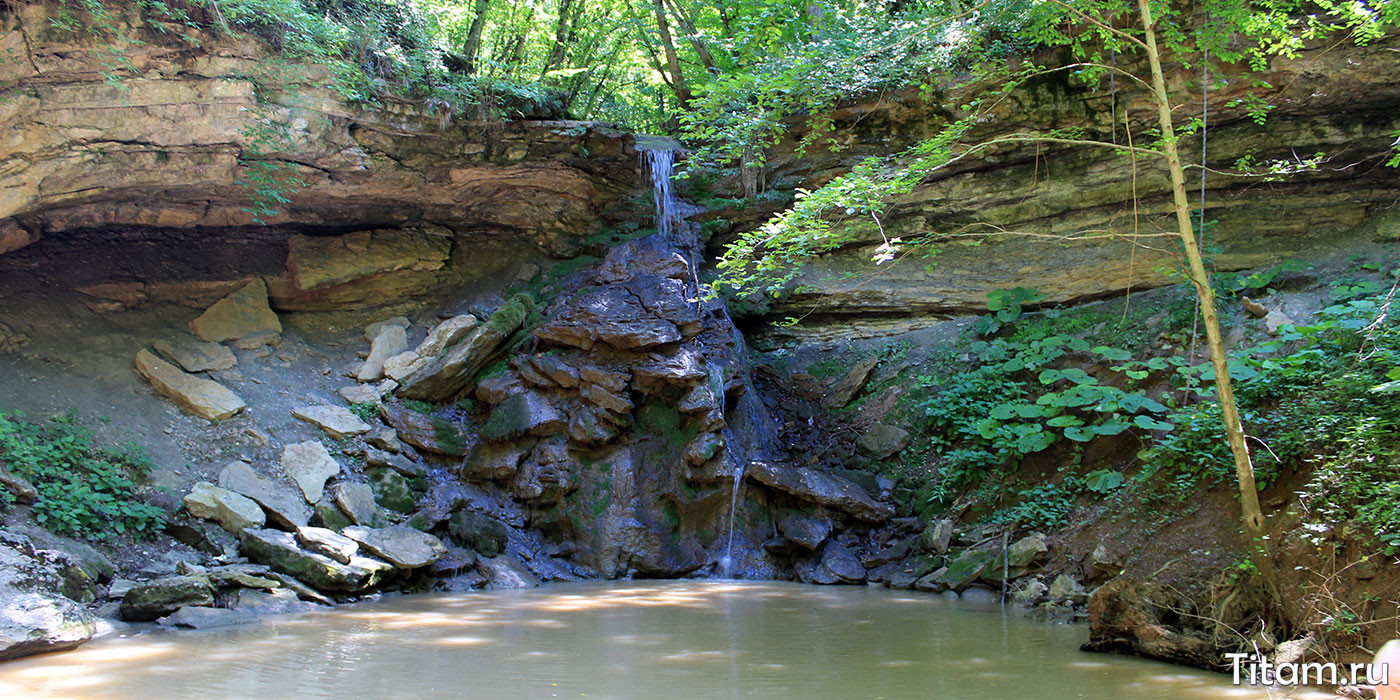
{"points": [[673, 63], [1234, 432], [692, 35], [473, 47], [561, 35]]}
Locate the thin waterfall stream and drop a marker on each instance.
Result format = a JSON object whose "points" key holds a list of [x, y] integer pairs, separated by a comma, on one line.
{"points": [[758, 435]]}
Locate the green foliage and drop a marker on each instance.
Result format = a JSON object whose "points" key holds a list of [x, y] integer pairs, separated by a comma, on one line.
{"points": [[368, 411], [418, 406], [84, 490]]}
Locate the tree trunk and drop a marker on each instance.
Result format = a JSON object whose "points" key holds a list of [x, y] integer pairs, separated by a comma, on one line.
{"points": [[1234, 432], [673, 63], [473, 47], [692, 34], [561, 32]]}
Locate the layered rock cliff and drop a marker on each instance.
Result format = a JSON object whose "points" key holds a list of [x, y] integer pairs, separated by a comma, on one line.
{"points": [[1062, 219]]}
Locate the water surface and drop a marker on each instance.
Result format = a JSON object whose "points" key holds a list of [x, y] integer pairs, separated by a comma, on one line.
{"points": [[624, 640]]}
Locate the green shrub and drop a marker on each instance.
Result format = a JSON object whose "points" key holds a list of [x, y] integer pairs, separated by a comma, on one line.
{"points": [[84, 490]]}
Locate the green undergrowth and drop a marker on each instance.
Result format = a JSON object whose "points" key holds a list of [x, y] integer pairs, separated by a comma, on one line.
{"points": [[85, 490], [1003, 417]]}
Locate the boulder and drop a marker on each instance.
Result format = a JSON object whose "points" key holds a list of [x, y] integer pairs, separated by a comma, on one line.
{"points": [[230, 510], [700, 399], [444, 335], [238, 315], [198, 617], [195, 355], [506, 572], [1103, 564], [586, 428], [703, 448], [392, 490], [357, 502], [403, 365], [880, 441], [373, 330], [495, 461], [482, 533], [205, 398], [37, 611], [805, 531], [397, 462], [327, 543], [284, 506], [843, 563], [1027, 551], [849, 385], [390, 341], [278, 602], [967, 567], [602, 398], [401, 546], [19, 487], [310, 465], [155, 599], [337, 421], [822, 488], [280, 551], [556, 370], [526, 413], [447, 374], [936, 536], [1066, 590], [361, 393]]}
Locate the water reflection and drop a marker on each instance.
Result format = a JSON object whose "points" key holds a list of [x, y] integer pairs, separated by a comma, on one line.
{"points": [[623, 640]]}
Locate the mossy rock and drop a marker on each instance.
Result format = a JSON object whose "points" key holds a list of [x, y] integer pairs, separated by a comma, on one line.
{"points": [[482, 533], [392, 491]]}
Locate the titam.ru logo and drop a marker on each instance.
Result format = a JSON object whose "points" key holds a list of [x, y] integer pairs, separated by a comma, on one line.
{"points": [[1254, 669]]}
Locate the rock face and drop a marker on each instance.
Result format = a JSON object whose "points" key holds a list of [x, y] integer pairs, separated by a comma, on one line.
{"points": [[205, 398], [239, 315], [40, 600], [1349, 112], [366, 171]]}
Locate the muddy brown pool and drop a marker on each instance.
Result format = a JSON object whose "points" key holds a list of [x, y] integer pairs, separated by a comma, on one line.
{"points": [[654, 640]]}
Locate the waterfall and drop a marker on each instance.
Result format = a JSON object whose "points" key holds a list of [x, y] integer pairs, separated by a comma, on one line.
{"points": [[660, 162], [750, 432]]}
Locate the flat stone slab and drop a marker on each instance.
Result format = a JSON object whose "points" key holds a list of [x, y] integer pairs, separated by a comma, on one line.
{"points": [[401, 546], [281, 551], [283, 505], [241, 314], [328, 542], [310, 465], [205, 398], [230, 510], [195, 355], [155, 599], [337, 421], [390, 341], [357, 502], [819, 487]]}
